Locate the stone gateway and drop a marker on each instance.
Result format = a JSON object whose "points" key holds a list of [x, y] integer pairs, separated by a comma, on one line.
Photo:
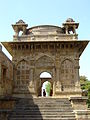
{"points": [[42, 49]]}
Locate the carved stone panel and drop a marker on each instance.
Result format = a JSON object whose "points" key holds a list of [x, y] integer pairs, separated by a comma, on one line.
{"points": [[22, 75], [67, 72], [44, 61]]}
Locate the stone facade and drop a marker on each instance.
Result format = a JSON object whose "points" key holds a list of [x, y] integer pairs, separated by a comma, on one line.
{"points": [[39, 49], [49, 49]]}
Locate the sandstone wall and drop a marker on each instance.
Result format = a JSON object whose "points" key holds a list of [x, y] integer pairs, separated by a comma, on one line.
{"points": [[6, 75]]}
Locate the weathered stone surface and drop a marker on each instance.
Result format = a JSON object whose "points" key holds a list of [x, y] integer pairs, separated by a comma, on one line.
{"points": [[39, 49], [6, 75]]}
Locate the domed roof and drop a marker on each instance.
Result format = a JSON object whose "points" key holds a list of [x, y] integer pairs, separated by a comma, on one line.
{"points": [[20, 22], [45, 29], [70, 20]]}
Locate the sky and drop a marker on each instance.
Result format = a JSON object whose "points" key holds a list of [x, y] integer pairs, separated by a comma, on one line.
{"points": [[47, 12]]}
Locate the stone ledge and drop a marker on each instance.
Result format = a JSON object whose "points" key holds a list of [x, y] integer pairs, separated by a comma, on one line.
{"points": [[78, 98], [82, 114], [79, 103], [82, 111]]}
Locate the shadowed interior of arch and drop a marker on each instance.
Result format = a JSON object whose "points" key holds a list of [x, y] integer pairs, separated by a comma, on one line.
{"points": [[46, 84]]}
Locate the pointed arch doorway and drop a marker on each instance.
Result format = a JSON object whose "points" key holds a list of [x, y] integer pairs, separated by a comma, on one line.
{"points": [[46, 84]]}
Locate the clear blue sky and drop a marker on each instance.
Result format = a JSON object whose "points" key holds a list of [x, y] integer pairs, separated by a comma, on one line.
{"points": [[54, 12]]}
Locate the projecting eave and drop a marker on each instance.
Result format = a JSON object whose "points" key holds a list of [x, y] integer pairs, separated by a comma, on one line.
{"points": [[8, 47], [83, 45], [78, 45]]}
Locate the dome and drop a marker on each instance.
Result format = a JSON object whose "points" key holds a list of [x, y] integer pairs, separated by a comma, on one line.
{"points": [[45, 29], [20, 22], [70, 20]]}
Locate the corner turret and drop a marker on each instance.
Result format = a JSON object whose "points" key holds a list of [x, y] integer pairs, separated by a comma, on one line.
{"points": [[20, 26], [70, 26]]}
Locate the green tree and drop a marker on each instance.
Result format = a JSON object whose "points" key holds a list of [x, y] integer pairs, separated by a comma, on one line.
{"points": [[48, 87], [85, 86], [88, 101]]}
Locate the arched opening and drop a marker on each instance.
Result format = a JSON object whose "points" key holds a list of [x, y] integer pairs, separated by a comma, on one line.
{"points": [[46, 88], [45, 75], [20, 33]]}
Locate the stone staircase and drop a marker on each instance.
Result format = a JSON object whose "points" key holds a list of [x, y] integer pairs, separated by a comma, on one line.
{"points": [[42, 109]]}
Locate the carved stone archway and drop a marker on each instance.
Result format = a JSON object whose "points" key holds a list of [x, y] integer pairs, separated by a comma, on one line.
{"points": [[44, 64], [45, 76]]}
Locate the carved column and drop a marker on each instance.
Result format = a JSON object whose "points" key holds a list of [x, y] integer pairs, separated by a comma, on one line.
{"points": [[58, 84], [57, 79], [54, 81], [57, 73], [31, 74], [31, 83], [77, 82]]}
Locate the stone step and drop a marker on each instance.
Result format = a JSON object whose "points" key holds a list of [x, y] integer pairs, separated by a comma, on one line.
{"points": [[42, 109], [52, 110], [42, 112], [29, 115], [42, 118], [45, 100], [43, 105]]}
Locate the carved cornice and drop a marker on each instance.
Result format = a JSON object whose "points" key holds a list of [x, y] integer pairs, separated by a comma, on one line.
{"points": [[78, 46]]}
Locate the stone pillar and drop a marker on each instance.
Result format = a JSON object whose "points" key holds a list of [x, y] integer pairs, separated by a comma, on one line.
{"points": [[24, 30], [66, 29], [16, 31], [31, 83], [54, 81], [74, 29], [58, 84], [77, 82], [57, 74], [31, 74]]}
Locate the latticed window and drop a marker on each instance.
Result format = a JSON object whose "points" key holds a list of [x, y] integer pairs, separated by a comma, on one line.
{"points": [[67, 71], [22, 74]]}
